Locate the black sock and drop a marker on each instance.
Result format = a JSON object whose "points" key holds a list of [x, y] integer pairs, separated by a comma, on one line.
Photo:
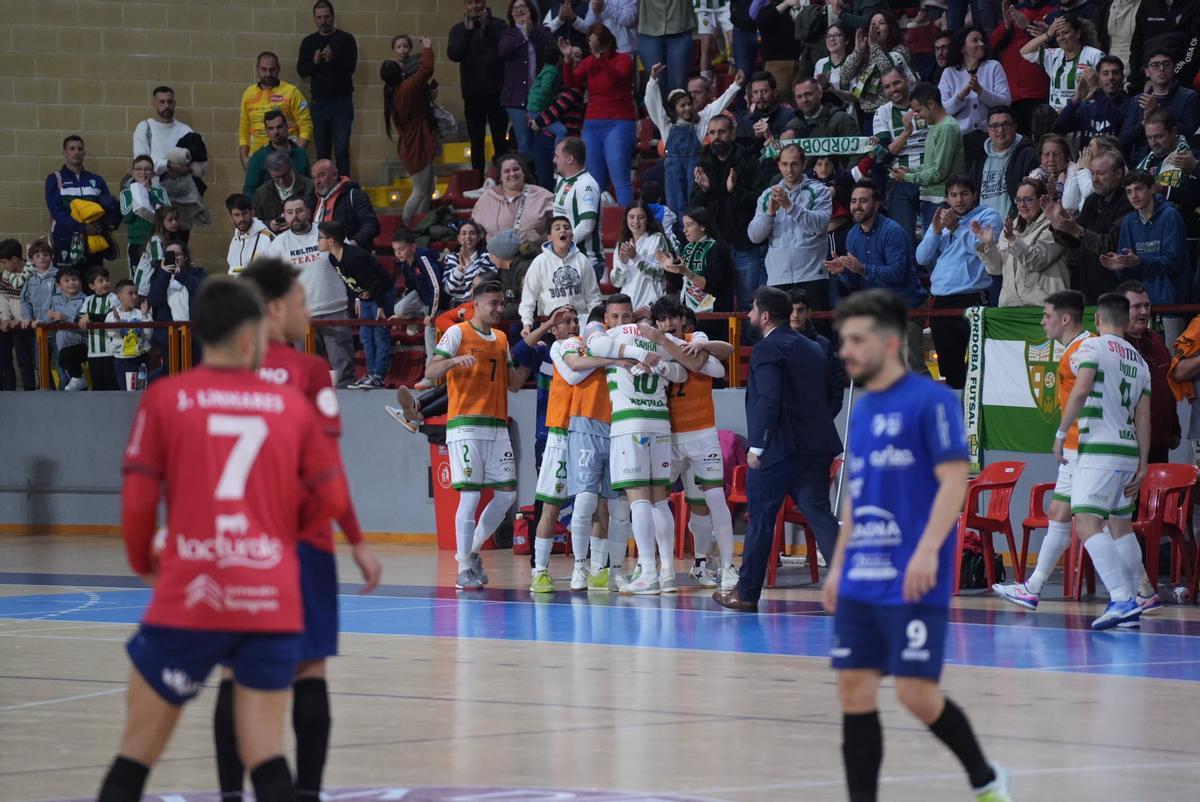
{"points": [[953, 729], [230, 771], [272, 781], [311, 723], [862, 752], [124, 781]]}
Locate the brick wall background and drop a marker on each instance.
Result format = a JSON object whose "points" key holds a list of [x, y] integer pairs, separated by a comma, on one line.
{"points": [[87, 67]]}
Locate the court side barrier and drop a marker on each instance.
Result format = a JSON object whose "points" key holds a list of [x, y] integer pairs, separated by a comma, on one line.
{"points": [[179, 335]]}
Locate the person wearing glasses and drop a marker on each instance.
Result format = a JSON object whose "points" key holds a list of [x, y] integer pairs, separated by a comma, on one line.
{"points": [[1162, 91], [1033, 265], [828, 70], [1008, 157]]}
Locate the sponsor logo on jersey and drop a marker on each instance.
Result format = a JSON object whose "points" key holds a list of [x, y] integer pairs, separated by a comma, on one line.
{"points": [[204, 590], [231, 546], [874, 527], [892, 457], [891, 424], [274, 375]]}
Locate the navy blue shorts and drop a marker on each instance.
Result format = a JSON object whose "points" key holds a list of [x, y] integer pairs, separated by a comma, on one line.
{"points": [[905, 640], [319, 589], [175, 662]]}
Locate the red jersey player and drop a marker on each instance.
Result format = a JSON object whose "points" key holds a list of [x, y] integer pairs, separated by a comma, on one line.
{"points": [[245, 473], [286, 321]]}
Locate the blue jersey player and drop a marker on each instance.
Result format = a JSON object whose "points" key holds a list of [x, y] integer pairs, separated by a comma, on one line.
{"points": [[889, 583]]}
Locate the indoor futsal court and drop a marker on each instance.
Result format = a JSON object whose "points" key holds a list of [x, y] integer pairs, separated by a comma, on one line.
{"points": [[605, 698]]}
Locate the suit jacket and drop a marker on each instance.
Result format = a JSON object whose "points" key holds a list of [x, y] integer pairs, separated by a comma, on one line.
{"points": [[788, 398]]}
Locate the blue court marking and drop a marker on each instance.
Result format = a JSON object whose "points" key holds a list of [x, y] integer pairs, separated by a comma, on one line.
{"points": [[1007, 640]]}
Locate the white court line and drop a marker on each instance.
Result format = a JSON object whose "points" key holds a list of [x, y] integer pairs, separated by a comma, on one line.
{"points": [[1104, 665], [77, 697], [57, 637], [910, 778]]}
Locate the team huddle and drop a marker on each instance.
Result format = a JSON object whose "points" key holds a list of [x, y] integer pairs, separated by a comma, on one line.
{"points": [[629, 412]]}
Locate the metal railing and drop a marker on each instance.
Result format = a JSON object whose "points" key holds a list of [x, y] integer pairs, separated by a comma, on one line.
{"points": [[179, 335]]}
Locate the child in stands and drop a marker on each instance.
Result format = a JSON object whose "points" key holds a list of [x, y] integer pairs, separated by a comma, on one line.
{"points": [[128, 347], [66, 306], [14, 272], [96, 306]]}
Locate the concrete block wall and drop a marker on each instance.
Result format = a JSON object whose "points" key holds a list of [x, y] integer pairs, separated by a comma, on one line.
{"points": [[87, 67]]}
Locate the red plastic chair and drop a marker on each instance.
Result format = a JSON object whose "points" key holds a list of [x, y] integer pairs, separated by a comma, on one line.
{"points": [[1036, 518], [1164, 507], [389, 224], [1077, 566], [611, 218], [790, 513], [461, 181], [998, 480]]}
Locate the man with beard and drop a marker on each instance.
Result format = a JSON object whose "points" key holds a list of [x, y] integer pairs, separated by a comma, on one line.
{"points": [[901, 132], [250, 235], [271, 93], [1094, 232], [328, 57], [1162, 91], [278, 142], [285, 182], [1164, 418], [323, 290], [342, 200], [728, 181], [1100, 104], [766, 118], [816, 119]]}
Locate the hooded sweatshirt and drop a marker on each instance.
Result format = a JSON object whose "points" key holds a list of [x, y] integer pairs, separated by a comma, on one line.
{"points": [[244, 247], [553, 281], [798, 245], [36, 294], [999, 175], [1161, 244]]}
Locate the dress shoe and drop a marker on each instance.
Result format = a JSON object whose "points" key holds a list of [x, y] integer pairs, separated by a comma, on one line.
{"points": [[733, 600]]}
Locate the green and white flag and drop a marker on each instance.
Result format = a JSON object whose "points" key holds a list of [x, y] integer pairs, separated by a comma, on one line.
{"points": [[1010, 401]]}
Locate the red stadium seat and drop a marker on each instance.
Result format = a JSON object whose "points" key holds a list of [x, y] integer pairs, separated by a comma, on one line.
{"points": [[389, 224], [647, 142], [998, 480], [611, 218], [1164, 507], [461, 181], [1035, 519]]}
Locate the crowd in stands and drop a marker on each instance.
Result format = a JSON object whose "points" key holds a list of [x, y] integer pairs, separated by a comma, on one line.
{"points": [[955, 153]]}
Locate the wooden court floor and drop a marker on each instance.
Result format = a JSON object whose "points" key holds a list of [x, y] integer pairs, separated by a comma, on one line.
{"points": [[617, 699]]}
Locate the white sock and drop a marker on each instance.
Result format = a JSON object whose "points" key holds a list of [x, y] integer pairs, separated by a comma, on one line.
{"points": [[464, 526], [664, 535], [1131, 557], [599, 554], [722, 521], [1054, 544], [701, 527], [642, 513], [581, 523], [1108, 565], [620, 529], [492, 517], [542, 547]]}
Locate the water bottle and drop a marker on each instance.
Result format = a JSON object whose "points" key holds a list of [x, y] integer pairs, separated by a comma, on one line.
{"points": [[141, 378]]}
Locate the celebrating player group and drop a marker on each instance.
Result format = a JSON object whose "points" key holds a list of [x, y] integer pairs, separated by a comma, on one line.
{"points": [[244, 451]]}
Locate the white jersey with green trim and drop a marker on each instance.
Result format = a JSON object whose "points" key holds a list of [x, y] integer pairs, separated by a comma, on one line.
{"points": [[639, 399], [578, 199], [1107, 438]]}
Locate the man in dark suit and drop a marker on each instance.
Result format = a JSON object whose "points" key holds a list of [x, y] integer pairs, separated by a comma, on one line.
{"points": [[792, 440]]}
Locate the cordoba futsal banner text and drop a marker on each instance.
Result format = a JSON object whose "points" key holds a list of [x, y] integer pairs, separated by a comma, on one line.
{"points": [[1010, 401]]}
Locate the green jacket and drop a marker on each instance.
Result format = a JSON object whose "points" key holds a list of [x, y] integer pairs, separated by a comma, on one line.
{"points": [[943, 158], [256, 168], [545, 89]]}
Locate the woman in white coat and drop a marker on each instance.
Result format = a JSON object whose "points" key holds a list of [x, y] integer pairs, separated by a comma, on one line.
{"points": [[1033, 265], [636, 270]]}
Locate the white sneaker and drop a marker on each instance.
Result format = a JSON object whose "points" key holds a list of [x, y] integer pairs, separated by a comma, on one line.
{"points": [[703, 577], [729, 578], [397, 415], [641, 586], [999, 789], [488, 183], [667, 583], [579, 577], [76, 383]]}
